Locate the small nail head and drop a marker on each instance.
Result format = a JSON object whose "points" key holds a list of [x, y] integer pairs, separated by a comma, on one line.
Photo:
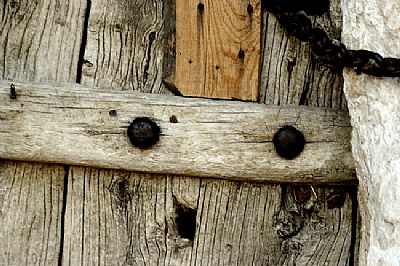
{"points": [[13, 94], [173, 119], [143, 132], [113, 113], [289, 142]]}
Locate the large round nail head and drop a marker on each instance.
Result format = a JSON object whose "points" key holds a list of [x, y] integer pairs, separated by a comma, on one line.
{"points": [[143, 132], [289, 142]]}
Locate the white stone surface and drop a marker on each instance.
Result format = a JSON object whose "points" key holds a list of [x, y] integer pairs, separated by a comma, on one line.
{"points": [[374, 105]]}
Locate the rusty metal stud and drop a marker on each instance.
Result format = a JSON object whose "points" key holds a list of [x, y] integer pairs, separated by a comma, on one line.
{"points": [[113, 113], [289, 142], [143, 132], [302, 194], [173, 119]]}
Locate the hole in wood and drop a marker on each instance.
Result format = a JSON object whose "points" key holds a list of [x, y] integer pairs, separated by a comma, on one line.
{"points": [[241, 54], [250, 9], [336, 200], [200, 8], [186, 221], [113, 113]]}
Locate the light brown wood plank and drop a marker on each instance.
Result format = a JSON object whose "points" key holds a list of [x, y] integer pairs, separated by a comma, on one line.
{"points": [[131, 218], [292, 74], [208, 44], [40, 40], [70, 124], [124, 46], [31, 197]]}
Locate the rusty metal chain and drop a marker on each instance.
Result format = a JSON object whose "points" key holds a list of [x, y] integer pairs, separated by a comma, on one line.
{"points": [[333, 51]]}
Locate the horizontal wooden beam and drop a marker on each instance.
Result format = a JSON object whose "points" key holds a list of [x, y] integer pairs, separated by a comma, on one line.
{"points": [[72, 124]]}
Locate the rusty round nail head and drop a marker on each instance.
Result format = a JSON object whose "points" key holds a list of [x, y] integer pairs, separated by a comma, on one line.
{"points": [[289, 142], [13, 94], [143, 132], [302, 194], [173, 119], [113, 113]]}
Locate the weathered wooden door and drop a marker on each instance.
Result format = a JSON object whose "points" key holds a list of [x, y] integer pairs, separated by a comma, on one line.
{"points": [[213, 191]]}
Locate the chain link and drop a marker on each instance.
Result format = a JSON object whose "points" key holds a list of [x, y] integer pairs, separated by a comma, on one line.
{"points": [[333, 51]]}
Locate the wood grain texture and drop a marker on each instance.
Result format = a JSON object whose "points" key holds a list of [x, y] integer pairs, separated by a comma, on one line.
{"points": [[40, 40], [70, 124], [31, 198], [208, 44], [124, 47], [292, 74], [116, 217]]}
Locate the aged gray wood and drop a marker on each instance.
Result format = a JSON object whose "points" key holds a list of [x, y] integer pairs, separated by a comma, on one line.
{"points": [[40, 40], [131, 219], [292, 74], [70, 124], [31, 198], [124, 46], [109, 241]]}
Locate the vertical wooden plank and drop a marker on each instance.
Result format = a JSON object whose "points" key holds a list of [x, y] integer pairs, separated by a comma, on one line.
{"points": [[40, 40], [292, 74], [317, 231], [31, 197], [258, 224], [115, 218], [124, 47], [218, 48]]}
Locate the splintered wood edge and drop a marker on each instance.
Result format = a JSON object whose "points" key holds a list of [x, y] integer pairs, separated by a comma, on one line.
{"points": [[72, 124]]}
